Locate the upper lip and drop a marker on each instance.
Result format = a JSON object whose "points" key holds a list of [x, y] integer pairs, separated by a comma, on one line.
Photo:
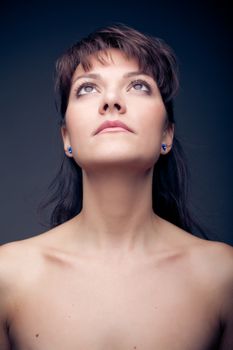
{"points": [[112, 124]]}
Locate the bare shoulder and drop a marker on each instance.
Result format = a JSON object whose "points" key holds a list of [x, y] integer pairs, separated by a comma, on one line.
{"points": [[7, 277], [14, 256], [22, 258], [21, 265], [10, 272], [219, 260], [210, 256], [215, 258], [211, 261], [9, 261], [212, 267], [26, 257]]}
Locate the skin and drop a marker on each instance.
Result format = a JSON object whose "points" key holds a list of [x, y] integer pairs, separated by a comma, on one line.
{"points": [[117, 217], [116, 276]]}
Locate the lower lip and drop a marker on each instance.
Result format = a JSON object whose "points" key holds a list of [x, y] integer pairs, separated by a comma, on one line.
{"points": [[115, 129]]}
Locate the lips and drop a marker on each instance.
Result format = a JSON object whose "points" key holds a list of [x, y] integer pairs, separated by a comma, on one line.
{"points": [[112, 124]]}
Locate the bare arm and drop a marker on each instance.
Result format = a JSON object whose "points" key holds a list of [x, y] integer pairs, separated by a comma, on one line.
{"points": [[5, 282], [226, 311], [4, 341]]}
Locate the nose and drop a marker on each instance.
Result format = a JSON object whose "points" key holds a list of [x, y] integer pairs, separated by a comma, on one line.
{"points": [[110, 105]]}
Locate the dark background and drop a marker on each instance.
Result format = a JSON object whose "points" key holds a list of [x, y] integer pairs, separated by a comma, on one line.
{"points": [[33, 35]]}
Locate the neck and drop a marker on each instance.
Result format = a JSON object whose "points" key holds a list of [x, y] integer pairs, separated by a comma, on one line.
{"points": [[117, 214]]}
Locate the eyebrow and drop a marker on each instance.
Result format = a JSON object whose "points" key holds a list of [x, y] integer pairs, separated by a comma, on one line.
{"points": [[98, 76]]}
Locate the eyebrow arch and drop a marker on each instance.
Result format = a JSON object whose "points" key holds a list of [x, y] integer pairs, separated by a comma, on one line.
{"points": [[98, 76]]}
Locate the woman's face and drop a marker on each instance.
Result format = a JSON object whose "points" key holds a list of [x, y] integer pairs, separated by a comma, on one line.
{"points": [[135, 100]]}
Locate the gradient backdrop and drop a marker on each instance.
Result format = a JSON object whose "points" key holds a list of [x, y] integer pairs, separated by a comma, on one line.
{"points": [[33, 34]]}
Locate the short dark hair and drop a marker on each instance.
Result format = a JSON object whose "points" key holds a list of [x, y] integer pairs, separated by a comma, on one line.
{"points": [[153, 55], [171, 174]]}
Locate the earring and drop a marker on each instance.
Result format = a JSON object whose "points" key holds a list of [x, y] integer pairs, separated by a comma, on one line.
{"points": [[69, 149], [164, 146]]}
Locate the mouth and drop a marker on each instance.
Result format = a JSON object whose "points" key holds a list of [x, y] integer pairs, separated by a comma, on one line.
{"points": [[113, 126], [113, 129]]}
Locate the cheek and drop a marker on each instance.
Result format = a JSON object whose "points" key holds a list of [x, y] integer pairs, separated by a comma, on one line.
{"points": [[148, 116], [76, 123], [151, 127], [152, 119]]}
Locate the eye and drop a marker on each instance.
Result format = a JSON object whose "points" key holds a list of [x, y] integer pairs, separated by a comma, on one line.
{"points": [[83, 87], [136, 83], [87, 87]]}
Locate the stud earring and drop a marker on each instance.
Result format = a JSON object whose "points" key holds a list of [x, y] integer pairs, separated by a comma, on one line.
{"points": [[164, 146], [69, 149]]}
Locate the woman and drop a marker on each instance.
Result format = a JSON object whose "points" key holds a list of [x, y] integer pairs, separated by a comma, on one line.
{"points": [[120, 268]]}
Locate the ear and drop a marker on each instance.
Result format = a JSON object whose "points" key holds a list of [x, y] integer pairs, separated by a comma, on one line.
{"points": [[167, 137], [66, 140]]}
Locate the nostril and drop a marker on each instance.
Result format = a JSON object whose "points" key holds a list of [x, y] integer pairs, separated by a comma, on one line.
{"points": [[118, 106]]}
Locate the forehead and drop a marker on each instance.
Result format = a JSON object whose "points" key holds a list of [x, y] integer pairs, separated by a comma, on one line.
{"points": [[108, 59]]}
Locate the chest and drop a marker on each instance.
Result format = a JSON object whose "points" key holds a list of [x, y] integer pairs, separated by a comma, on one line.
{"points": [[113, 308]]}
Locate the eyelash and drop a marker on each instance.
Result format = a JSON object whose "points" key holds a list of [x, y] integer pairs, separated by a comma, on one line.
{"points": [[132, 83]]}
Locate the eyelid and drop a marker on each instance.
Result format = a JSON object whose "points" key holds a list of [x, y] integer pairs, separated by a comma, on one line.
{"points": [[92, 84], [85, 83], [141, 81]]}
